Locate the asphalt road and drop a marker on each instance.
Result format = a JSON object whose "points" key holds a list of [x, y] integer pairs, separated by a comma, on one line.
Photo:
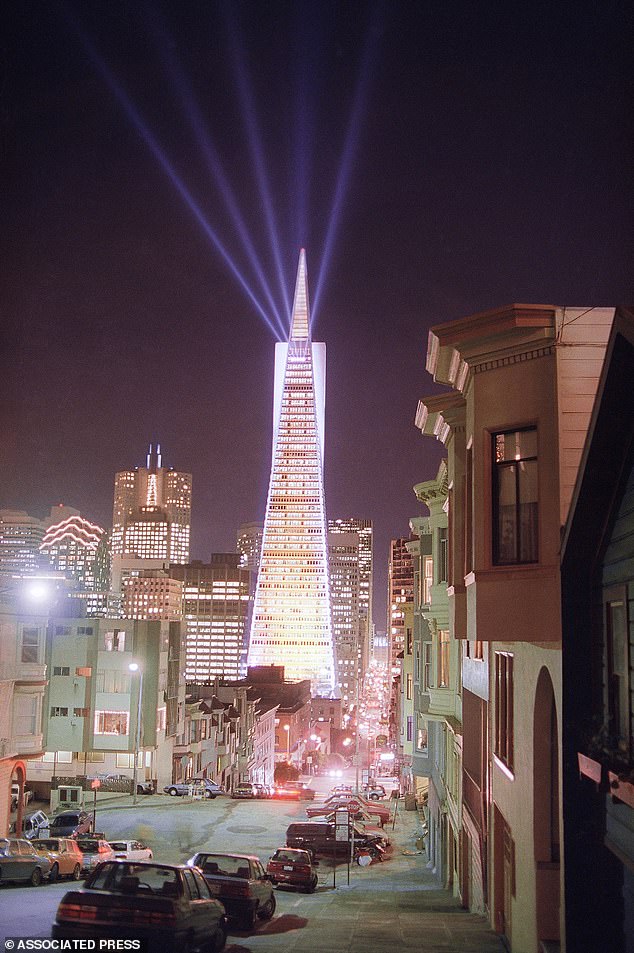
{"points": [[175, 828]]}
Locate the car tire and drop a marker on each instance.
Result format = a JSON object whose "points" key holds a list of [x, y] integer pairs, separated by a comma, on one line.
{"points": [[54, 873], [373, 797], [219, 941], [172, 792], [209, 795], [36, 877], [312, 886], [76, 874], [266, 911]]}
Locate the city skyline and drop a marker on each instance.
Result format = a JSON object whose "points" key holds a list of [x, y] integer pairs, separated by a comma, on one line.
{"points": [[123, 326]]}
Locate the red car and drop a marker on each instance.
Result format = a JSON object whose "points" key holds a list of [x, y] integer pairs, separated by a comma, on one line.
{"points": [[354, 802], [293, 868]]}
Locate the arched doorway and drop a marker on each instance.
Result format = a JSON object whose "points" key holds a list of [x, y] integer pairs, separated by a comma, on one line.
{"points": [[546, 808], [18, 784]]}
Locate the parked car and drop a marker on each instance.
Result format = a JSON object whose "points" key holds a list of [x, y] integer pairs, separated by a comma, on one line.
{"points": [[15, 795], [362, 820], [95, 851], [318, 837], [284, 790], [354, 802], [293, 868], [341, 789], [241, 883], [169, 907], [201, 787], [20, 861], [261, 790], [64, 854], [70, 824], [35, 824], [304, 791], [131, 850], [244, 790], [123, 782], [374, 792]]}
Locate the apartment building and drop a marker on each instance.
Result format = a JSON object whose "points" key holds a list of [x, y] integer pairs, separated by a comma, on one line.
{"points": [[523, 382]]}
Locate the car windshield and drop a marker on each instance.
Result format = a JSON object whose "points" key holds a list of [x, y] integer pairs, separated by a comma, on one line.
{"points": [[64, 820], [223, 866], [46, 844], [118, 845], [128, 878]]}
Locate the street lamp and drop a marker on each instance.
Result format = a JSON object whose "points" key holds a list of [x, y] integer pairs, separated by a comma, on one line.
{"points": [[135, 667], [287, 729]]}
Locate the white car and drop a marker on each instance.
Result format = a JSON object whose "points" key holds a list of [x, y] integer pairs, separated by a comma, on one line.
{"points": [[131, 850]]}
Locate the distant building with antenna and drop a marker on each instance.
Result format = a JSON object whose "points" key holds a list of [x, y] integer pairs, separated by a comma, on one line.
{"points": [[292, 615], [151, 517]]}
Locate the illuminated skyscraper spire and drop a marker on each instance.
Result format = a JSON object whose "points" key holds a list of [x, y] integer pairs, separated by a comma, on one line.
{"points": [[292, 624]]}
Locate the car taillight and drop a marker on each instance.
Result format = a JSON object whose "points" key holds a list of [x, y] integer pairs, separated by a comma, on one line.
{"points": [[302, 868], [76, 911]]}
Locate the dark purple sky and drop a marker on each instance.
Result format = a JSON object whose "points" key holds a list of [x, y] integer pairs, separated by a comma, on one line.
{"points": [[490, 167]]}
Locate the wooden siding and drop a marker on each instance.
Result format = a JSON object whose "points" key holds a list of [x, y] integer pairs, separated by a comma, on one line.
{"points": [[581, 347]]}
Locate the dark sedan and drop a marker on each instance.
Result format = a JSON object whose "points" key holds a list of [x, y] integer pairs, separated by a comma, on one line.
{"points": [[168, 906]]}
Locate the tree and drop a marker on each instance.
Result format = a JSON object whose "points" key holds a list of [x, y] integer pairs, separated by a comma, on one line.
{"points": [[285, 772]]}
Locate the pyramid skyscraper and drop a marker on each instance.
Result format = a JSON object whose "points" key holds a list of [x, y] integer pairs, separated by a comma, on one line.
{"points": [[292, 618]]}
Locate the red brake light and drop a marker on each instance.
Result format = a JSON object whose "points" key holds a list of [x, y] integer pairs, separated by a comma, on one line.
{"points": [[76, 911]]}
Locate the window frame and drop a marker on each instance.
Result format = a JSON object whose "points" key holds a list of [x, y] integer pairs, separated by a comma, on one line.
{"points": [[496, 469]]}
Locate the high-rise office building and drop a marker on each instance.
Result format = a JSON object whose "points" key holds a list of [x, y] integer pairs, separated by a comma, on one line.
{"points": [[343, 558], [20, 538], [216, 612], [151, 594], [249, 545], [400, 594], [76, 547], [363, 529], [151, 517], [292, 619]]}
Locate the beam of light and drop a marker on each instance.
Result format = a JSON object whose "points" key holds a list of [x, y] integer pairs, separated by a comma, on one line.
{"points": [[253, 137], [210, 153], [349, 148], [151, 142], [308, 52]]}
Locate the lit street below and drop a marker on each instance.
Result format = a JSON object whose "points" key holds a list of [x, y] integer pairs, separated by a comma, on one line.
{"points": [[392, 904]]}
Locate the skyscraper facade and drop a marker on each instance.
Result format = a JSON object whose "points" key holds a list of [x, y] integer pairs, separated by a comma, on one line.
{"points": [[151, 516], [400, 596], [216, 604], [363, 529], [292, 617], [343, 558], [20, 539], [249, 545], [75, 546]]}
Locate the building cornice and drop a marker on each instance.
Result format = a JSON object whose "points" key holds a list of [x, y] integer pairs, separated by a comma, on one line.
{"points": [[455, 348]]}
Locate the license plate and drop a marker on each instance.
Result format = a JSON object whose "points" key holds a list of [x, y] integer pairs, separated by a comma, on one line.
{"points": [[288, 868]]}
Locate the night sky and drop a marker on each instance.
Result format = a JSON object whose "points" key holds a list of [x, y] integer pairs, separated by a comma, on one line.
{"points": [[487, 148]]}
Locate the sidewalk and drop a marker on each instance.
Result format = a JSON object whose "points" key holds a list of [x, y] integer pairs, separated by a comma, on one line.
{"points": [[388, 907]]}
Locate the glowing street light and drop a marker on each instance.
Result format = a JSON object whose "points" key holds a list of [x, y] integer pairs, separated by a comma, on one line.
{"points": [[287, 729], [135, 667]]}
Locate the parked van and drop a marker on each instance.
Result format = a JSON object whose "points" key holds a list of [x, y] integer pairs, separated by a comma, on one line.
{"points": [[35, 825]]}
